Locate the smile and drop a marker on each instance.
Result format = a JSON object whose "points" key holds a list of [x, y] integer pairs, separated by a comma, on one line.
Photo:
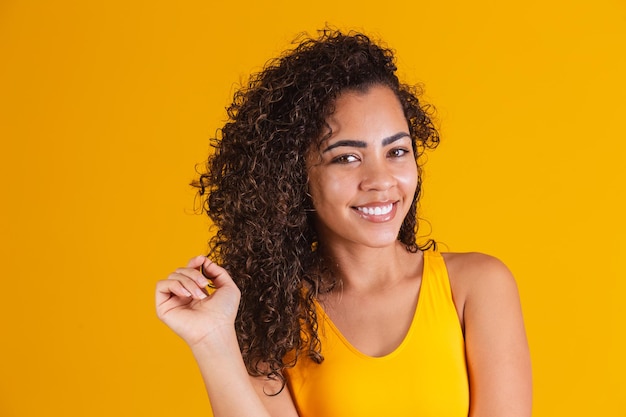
{"points": [[376, 211]]}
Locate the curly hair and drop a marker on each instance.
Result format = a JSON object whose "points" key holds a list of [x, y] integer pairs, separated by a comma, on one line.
{"points": [[255, 189]]}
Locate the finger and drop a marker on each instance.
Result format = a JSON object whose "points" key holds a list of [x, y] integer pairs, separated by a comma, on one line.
{"points": [[210, 284], [190, 284], [196, 261], [217, 274], [171, 294], [167, 288], [195, 275]]}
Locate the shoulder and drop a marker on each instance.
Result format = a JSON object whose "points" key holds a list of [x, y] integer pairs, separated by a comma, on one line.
{"points": [[473, 262], [497, 352], [476, 277], [476, 270]]}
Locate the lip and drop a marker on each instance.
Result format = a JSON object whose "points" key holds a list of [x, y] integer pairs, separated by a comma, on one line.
{"points": [[378, 212]]}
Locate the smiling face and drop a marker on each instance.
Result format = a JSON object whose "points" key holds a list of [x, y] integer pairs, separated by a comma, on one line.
{"points": [[364, 176]]}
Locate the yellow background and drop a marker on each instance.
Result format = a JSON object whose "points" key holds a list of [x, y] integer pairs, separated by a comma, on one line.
{"points": [[107, 106]]}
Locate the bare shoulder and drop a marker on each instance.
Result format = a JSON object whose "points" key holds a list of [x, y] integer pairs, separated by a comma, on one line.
{"points": [[497, 350], [474, 265], [476, 278], [474, 273]]}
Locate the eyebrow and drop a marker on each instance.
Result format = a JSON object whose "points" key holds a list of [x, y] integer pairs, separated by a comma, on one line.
{"points": [[362, 144]]}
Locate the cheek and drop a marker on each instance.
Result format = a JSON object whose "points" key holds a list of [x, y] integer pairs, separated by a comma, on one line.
{"points": [[408, 178], [315, 187], [321, 191], [326, 189]]}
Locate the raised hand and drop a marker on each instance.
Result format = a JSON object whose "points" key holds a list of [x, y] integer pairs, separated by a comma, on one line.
{"points": [[190, 308]]}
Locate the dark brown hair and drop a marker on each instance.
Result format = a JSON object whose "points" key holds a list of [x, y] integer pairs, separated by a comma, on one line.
{"points": [[255, 188]]}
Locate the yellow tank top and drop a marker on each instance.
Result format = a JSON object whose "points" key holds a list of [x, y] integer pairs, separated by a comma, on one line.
{"points": [[426, 376]]}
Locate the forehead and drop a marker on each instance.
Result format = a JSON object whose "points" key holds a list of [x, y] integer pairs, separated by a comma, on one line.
{"points": [[365, 114], [376, 94]]}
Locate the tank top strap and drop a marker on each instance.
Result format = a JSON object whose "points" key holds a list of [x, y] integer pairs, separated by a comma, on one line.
{"points": [[435, 293]]}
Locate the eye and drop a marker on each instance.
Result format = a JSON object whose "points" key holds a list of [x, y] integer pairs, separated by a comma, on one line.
{"points": [[345, 159], [398, 152]]}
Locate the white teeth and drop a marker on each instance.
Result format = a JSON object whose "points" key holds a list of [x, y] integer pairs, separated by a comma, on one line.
{"points": [[376, 211]]}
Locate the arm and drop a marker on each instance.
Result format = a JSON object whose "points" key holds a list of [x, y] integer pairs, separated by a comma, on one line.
{"points": [[497, 350], [206, 323], [231, 390]]}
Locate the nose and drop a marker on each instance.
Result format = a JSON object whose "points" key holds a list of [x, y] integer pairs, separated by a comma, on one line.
{"points": [[376, 176]]}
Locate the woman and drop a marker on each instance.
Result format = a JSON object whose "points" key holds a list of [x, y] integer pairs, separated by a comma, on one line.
{"points": [[323, 302]]}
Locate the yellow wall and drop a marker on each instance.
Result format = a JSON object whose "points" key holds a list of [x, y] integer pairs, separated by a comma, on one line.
{"points": [[106, 107]]}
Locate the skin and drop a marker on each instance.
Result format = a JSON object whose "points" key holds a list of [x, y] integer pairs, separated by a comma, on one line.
{"points": [[366, 163]]}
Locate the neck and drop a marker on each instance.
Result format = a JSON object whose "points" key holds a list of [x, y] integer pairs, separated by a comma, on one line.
{"points": [[365, 269]]}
